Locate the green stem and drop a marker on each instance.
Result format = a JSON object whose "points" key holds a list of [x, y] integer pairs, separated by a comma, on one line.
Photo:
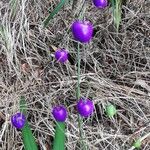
{"points": [[54, 12], [28, 138], [80, 14], [80, 121], [23, 107], [13, 4], [59, 140], [116, 5], [78, 72], [113, 3]]}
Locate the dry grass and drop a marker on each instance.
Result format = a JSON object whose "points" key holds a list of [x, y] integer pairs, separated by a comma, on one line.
{"points": [[114, 69]]}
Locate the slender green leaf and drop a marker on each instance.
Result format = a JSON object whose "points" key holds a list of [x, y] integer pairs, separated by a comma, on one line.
{"points": [[13, 4], [117, 13], [54, 12], [117, 6], [23, 107], [28, 138], [59, 140], [3, 33]]}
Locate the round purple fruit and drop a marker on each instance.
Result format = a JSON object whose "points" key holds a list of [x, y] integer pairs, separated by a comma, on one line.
{"points": [[61, 55], [85, 107], [18, 120], [82, 31], [100, 3], [59, 113]]}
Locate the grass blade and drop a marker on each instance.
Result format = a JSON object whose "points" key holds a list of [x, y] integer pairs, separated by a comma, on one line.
{"points": [[117, 13], [54, 12], [13, 4], [23, 107], [28, 138], [117, 5], [59, 140]]}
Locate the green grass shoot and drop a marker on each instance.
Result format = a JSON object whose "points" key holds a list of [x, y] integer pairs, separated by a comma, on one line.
{"points": [[83, 146], [2, 33], [13, 5], [28, 138], [5, 35], [54, 12], [117, 6]]}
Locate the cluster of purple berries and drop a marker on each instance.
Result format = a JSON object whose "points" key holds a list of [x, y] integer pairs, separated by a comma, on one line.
{"points": [[82, 32], [85, 108]]}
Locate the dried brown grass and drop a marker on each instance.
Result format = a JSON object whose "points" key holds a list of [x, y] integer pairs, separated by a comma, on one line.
{"points": [[115, 68]]}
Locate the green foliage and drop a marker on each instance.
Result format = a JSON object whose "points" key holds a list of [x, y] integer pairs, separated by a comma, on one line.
{"points": [[2, 32], [13, 5], [137, 144], [23, 106], [117, 6], [59, 140], [54, 12], [5, 35]]}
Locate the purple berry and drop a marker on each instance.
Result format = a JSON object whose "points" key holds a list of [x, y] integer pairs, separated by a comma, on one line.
{"points": [[18, 120], [82, 31], [59, 113], [85, 107], [61, 55], [100, 3]]}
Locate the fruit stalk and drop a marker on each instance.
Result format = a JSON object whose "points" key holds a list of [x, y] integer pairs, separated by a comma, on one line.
{"points": [[80, 121], [78, 72]]}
